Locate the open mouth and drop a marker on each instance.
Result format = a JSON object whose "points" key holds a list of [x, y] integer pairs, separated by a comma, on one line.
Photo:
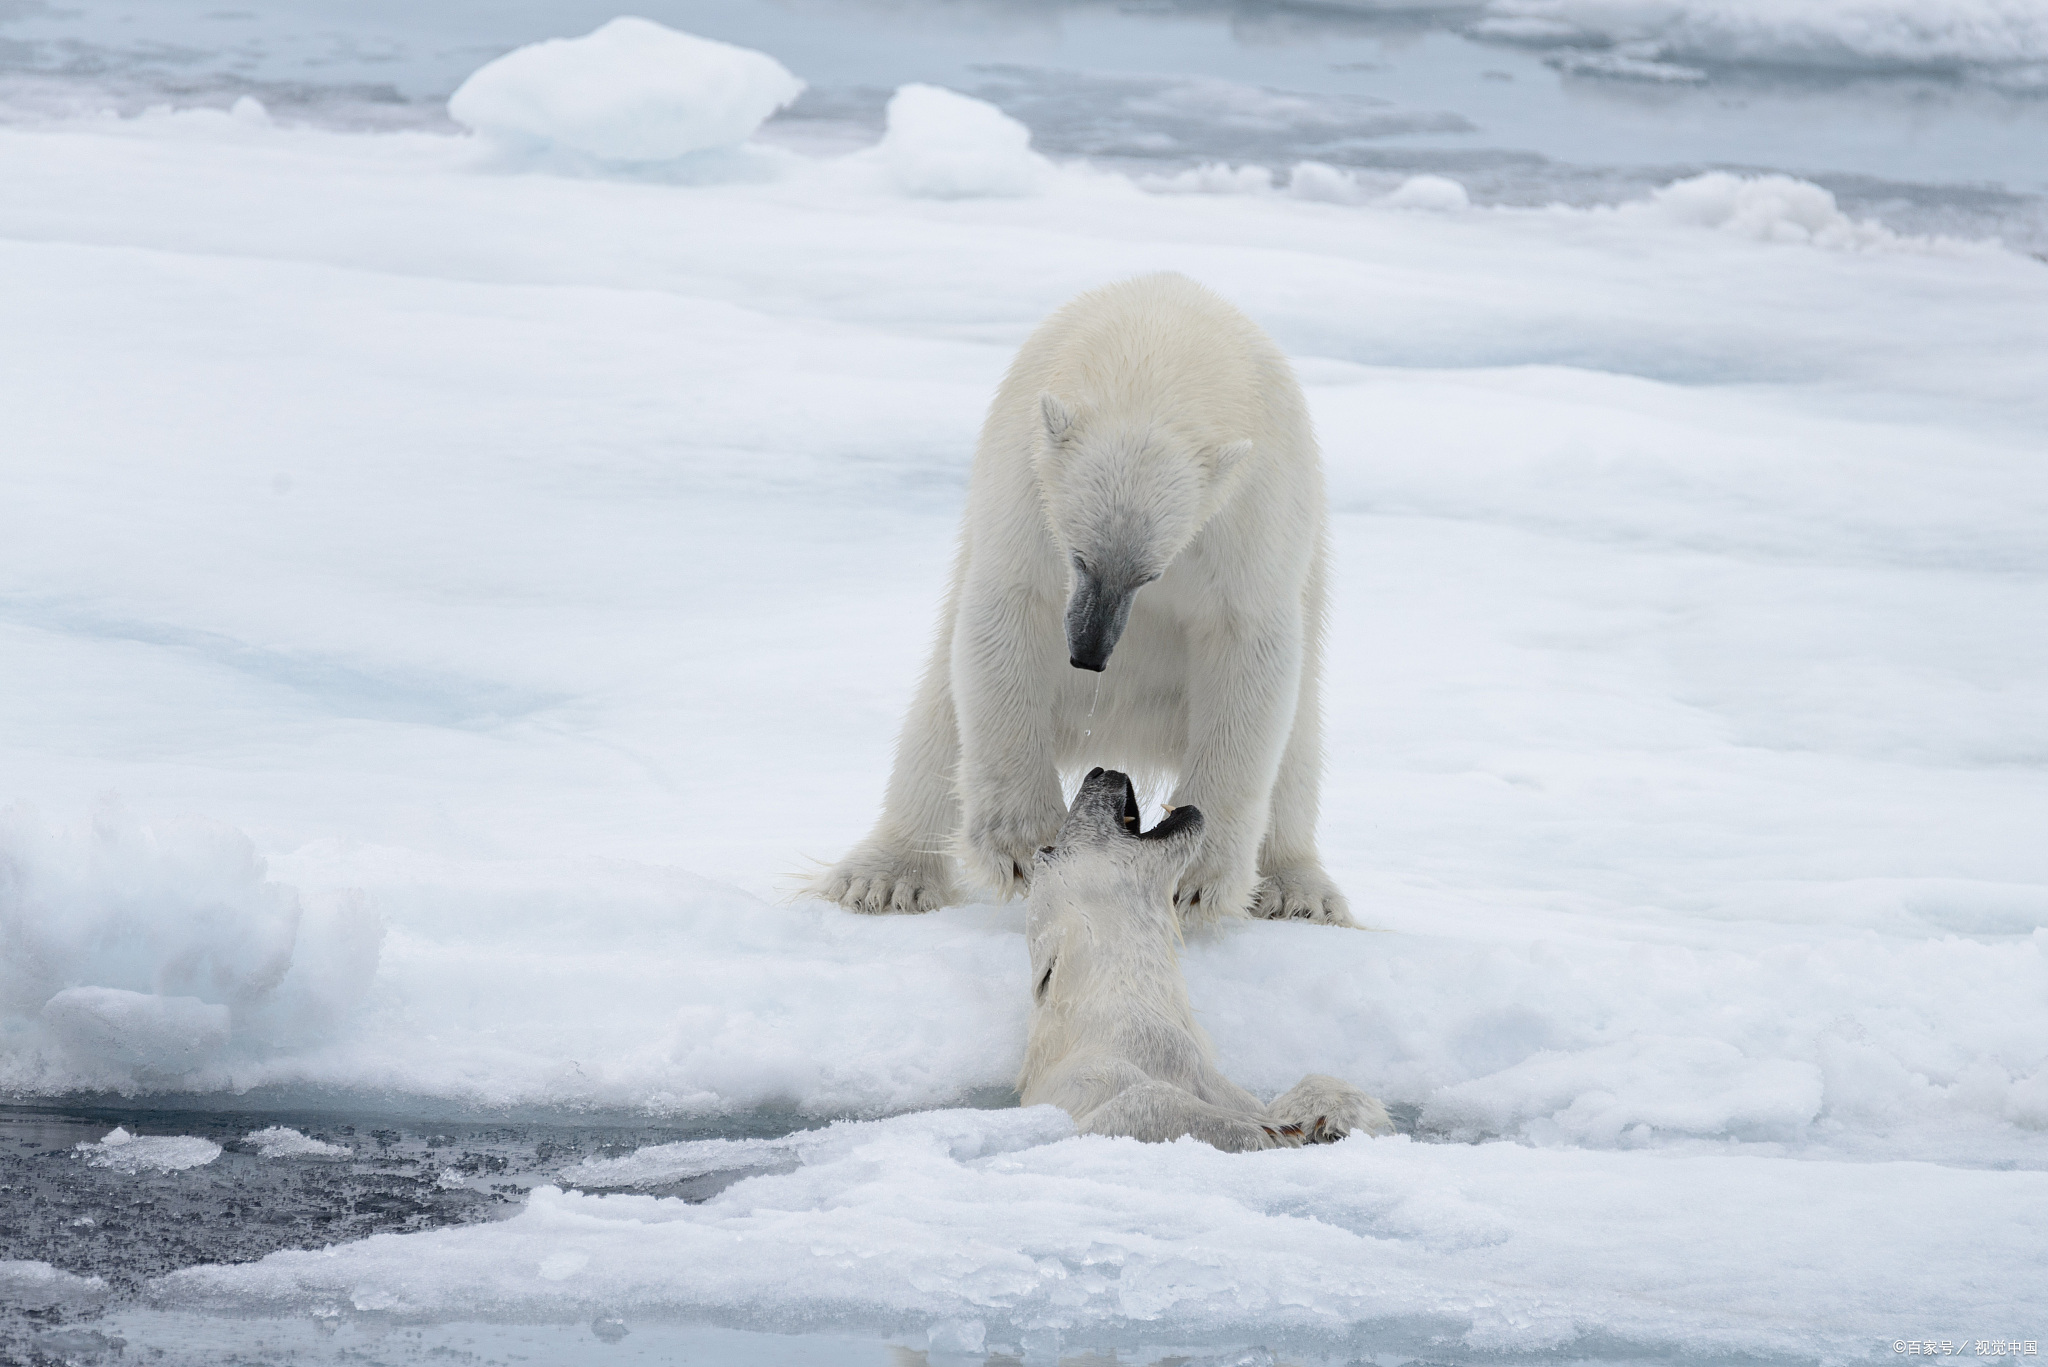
{"points": [[1176, 819]]}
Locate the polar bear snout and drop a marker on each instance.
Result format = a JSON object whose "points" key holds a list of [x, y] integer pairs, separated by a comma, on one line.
{"points": [[1097, 613]]}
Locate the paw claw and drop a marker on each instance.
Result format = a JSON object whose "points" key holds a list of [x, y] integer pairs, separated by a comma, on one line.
{"points": [[998, 848], [1302, 893], [879, 882]]}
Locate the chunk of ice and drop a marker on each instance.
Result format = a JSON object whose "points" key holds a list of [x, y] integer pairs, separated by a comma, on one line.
{"points": [[281, 1141], [161, 1034], [944, 145], [1769, 208], [1435, 194], [27, 1284], [140, 951], [632, 91], [154, 1152]]}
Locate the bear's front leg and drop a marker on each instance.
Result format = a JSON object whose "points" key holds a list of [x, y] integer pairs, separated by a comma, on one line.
{"points": [[883, 877], [1293, 885], [1006, 644], [1240, 703], [1000, 837], [1302, 892], [905, 865]]}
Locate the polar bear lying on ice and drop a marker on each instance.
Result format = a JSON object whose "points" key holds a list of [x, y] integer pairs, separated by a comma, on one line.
{"points": [[1113, 1037], [1139, 583]]}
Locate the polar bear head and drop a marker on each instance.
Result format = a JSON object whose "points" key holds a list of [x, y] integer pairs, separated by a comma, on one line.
{"points": [[1124, 498], [1102, 893]]}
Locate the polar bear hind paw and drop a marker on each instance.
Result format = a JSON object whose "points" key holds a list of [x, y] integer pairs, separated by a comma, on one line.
{"points": [[1326, 1109], [1241, 1134], [1301, 894], [879, 883]]}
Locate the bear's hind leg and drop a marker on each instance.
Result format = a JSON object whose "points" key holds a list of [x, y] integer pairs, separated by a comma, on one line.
{"points": [[1159, 1112], [1326, 1109]]}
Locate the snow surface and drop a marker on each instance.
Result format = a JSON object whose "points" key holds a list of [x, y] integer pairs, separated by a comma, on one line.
{"points": [[524, 576], [281, 1141], [632, 91], [972, 1228], [153, 1152]]}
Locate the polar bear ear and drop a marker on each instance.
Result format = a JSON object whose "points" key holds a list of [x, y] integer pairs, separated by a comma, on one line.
{"points": [[1229, 458], [1059, 419]]}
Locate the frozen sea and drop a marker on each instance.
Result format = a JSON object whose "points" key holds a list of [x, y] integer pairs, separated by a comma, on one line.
{"points": [[452, 592]]}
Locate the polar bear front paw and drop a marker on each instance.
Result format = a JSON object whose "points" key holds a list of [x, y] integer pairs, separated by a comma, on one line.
{"points": [[998, 850], [1326, 1109], [879, 882], [1216, 887], [1302, 893]]}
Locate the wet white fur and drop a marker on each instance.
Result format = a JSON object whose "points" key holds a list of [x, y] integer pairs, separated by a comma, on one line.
{"points": [[1113, 1038], [1152, 420]]}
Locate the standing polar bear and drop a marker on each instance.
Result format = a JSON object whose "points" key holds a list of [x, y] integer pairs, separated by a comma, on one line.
{"points": [[1113, 1039], [1139, 583]]}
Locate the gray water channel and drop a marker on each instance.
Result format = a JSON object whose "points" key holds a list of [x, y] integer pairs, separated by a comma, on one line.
{"points": [[393, 1168], [391, 1171]]}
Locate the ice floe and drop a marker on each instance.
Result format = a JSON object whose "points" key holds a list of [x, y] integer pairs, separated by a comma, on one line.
{"points": [[149, 1153], [281, 1141], [631, 91]]}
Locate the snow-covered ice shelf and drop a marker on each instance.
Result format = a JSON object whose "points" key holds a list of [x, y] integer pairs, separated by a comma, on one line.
{"points": [[487, 588], [972, 1229]]}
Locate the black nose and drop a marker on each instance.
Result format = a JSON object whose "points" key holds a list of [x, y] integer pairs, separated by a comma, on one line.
{"points": [[1096, 615]]}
